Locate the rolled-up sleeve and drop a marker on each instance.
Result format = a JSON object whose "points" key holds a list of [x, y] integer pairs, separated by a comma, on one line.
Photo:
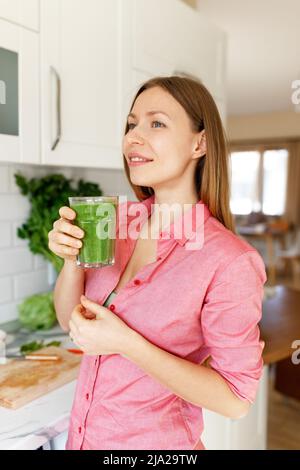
{"points": [[229, 320]]}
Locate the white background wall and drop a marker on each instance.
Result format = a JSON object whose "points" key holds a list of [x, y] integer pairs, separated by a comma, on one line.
{"points": [[21, 272]]}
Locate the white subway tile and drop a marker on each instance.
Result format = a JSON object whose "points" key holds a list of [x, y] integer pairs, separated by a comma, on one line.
{"points": [[110, 181], [16, 260], [5, 234], [30, 283], [6, 290], [4, 179], [39, 262], [25, 170], [13, 206], [29, 171], [19, 242], [8, 312]]}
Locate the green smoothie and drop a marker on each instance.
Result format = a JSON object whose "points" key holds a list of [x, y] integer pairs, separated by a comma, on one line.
{"points": [[97, 218]]}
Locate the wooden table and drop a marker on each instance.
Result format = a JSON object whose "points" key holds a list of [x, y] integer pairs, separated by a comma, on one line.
{"points": [[280, 324], [268, 236], [280, 328]]}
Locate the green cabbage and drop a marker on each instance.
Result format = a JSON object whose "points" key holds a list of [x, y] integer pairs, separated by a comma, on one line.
{"points": [[37, 312]]}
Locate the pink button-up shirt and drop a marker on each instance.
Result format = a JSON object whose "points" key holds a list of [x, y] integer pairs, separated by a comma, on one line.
{"points": [[193, 303]]}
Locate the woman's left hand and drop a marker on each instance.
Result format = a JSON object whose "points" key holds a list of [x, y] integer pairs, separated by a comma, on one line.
{"points": [[105, 334]]}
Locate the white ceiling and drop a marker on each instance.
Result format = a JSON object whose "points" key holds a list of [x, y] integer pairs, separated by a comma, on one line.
{"points": [[263, 51]]}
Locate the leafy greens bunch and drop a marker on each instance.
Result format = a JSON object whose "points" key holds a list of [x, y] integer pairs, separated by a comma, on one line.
{"points": [[46, 195]]}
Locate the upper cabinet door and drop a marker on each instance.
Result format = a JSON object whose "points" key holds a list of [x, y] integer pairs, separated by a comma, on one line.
{"points": [[171, 37], [81, 88], [19, 94], [94, 54], [22, 12]]}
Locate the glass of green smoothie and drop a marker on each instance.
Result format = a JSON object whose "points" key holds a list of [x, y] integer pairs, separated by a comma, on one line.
{"points": [[97, 216]]}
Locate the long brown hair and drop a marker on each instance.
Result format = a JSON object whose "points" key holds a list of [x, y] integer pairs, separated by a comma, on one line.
{"points": [[212, 170]]}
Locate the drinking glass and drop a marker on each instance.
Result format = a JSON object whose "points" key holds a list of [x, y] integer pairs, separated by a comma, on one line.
{"points": [[97, 217]]}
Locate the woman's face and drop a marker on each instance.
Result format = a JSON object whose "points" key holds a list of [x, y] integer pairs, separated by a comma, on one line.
{"points": [[165, 138]]}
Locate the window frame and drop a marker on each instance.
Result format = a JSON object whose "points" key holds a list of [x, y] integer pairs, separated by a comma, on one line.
{"points": [[260, 148]]}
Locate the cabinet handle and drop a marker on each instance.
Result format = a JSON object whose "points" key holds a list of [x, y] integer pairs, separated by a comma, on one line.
{"points": [[58, 116]]}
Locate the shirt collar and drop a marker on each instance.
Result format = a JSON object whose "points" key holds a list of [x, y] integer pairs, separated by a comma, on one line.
{"points": [[186, 225]]}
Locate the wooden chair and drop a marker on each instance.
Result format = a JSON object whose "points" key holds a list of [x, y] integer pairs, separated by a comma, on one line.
{"points": [[291, 256]]}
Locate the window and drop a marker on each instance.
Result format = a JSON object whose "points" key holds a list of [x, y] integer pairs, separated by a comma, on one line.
{"points": [[258, 181], [274, 181], [244, 189]]}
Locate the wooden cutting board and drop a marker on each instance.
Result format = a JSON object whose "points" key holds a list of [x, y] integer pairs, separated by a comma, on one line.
{"points": [[22, 381]]}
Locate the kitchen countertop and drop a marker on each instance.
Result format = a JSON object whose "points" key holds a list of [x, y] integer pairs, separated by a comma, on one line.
{"points": [[36, 423]]}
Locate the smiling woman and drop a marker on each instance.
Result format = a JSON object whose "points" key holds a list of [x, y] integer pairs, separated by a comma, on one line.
{"points": [[189, 143], [181, 331]]}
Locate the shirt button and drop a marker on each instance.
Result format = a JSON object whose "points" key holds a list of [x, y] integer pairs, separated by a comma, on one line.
{"points": [[137, 282], [87, 396], [79, 429], [112, 307]]}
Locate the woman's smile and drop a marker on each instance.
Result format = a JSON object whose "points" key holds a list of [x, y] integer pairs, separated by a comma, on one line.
{"points": [[138, 163]]}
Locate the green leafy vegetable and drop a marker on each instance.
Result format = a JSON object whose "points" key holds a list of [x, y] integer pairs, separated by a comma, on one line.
{"points": [[47, 195], [36, 345], [37, 312], [30, 347], [53, 343]]}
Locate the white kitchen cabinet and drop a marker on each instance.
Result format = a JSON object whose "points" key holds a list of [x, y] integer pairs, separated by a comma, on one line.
{"points": [[249, 433], [169, 36], [94, 55], [81, 51], [19, 94], [21, 12]]}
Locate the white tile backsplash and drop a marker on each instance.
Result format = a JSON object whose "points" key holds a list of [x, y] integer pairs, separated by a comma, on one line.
{"points": [[23, 273], [30, 171], [6, 289], [39, 262], [13, 206], [8, 311], [18, 260], [5, 234], [17, 241], [4, 179], [30, 283]]}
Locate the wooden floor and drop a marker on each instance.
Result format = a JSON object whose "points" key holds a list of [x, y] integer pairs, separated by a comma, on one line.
{"points": [[283, 412], [283, 422]]}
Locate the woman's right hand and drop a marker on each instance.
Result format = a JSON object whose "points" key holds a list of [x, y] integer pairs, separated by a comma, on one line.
{"points": [[64, 238]]}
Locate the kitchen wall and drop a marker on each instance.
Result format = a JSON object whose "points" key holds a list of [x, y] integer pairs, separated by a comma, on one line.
{"points": [[264, 125], [191, 3], [21, 272]]}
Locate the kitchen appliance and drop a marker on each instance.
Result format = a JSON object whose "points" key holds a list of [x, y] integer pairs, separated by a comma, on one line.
{"points": [[19, 93]]}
